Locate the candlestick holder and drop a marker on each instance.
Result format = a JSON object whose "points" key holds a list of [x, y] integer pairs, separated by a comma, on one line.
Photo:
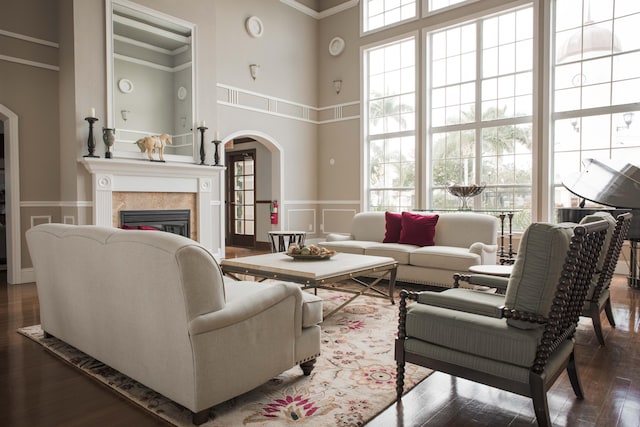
{"points": [[91, 140], [202, 129], [216, 155]]}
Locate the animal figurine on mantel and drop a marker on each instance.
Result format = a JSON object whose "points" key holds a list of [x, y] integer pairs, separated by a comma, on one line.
{"points": [[153, 144]]}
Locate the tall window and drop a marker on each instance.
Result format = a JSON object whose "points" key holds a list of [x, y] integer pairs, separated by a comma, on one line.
{"points": [[596, 87], [441, 4], [480, 111], [390, 126], [381, 13]]}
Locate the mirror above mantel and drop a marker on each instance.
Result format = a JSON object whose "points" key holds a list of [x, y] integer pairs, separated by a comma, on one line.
{"points": [[150, 80]]}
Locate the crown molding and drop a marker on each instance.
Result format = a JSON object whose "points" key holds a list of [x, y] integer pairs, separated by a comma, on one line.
{"points": [[325, 13]]}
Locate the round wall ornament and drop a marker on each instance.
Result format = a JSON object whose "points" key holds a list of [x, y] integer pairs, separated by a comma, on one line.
{"points": [[125, 85], [336, 46], [182, 93], [254, 26]]}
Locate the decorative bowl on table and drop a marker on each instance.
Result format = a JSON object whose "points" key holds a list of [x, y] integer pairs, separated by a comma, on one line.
{"points": [[465, 192], [311, 252]]}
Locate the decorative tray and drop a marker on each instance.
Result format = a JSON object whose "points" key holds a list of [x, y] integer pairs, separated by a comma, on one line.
{"points": [[311, 257]]}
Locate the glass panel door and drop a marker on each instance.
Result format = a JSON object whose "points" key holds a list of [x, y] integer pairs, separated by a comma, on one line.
{"points": [[242, 197]]}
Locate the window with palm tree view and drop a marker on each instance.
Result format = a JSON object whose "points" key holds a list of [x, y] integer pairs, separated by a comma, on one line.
{"points": [[480, 112], [391, 125]]}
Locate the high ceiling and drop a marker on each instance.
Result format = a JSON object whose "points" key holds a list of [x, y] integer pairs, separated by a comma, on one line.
{"points": [[321, 5]]}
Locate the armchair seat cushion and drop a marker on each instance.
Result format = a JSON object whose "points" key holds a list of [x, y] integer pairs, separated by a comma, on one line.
{"points": [[445, 257], [398, 251], [483, 336]]}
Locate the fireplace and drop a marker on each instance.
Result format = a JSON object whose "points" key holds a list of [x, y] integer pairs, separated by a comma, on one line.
{"points": [[125, 184], [175, 221]]}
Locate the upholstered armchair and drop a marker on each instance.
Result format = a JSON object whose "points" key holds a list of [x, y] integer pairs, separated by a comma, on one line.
{"points": [[598, 297], [521, 341]]}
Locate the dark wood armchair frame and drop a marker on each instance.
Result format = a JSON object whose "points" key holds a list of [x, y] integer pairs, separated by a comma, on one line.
{"points": [[623, 223], [559, 325]]}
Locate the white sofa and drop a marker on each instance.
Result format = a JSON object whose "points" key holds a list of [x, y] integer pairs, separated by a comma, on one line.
{"points": [[462, 239], [154, 306]]}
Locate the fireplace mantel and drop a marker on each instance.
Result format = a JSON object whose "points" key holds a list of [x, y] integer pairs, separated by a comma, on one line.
{"points": [[127, 175]]}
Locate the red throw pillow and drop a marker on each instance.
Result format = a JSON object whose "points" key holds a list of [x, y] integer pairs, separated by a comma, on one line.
{"points": [[128, 227], [393, 225], [418, 229], [147, 227]]}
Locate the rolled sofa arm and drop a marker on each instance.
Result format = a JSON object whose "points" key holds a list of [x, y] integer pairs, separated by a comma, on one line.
{"points": [[249, 306], [337, 237], [488, 253]]}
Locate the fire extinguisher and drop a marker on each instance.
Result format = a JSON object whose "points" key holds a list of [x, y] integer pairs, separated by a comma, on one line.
{"points": [[274, 212]]}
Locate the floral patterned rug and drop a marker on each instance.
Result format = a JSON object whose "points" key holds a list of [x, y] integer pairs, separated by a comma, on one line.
{"points": [[352, 382]]}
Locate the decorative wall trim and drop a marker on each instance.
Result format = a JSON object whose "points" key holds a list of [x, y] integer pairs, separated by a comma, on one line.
{"points": [[320, 202], [57, 204], [313, 223], [40, 219], [30, 63], [28, 38], [323, 228], [267, 104], [325, 13]]}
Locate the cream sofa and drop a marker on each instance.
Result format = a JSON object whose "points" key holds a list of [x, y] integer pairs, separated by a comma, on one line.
{"points": [[154, 306], [462, 239]]}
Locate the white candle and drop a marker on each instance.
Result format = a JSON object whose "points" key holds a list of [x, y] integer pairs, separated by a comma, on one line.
{"points": [[202, 124], [92, 112], [217, 136]]}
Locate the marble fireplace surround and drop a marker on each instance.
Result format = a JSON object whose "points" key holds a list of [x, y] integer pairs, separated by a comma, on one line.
{"points": [[113, 178]]}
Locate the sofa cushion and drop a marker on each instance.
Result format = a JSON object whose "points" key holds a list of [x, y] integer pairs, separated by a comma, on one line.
{"points": [[418, 229], [444, 257], [536, 272], [393, 226], [349, 246], [397, 251]]}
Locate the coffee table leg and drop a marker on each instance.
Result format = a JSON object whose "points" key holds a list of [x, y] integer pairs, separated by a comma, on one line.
{"points": [[392, 284]]}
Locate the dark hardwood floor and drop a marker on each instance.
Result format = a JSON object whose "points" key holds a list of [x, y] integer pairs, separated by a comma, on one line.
{"points": [[37, 389]]}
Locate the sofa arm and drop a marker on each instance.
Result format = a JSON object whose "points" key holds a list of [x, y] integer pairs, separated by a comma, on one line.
{"points": [[337, 237], [488, 253], [249, 306]]}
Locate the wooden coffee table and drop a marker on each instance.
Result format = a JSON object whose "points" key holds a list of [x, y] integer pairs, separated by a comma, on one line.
{"points": [[318, 273]]}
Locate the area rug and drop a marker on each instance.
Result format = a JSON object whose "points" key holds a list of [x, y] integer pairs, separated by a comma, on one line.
{"points": [[353, 380]]}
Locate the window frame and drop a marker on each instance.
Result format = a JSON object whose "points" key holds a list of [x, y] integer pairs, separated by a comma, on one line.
{"points": [[364, 19], [365, 188], [479, 125]]}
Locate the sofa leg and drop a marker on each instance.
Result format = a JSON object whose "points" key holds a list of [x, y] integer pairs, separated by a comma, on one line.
{"points": [[200, 417], [307, 366]]}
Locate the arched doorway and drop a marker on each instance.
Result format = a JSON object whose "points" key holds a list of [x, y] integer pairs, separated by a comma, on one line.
{"points": [[254, 180], [12, 195]]}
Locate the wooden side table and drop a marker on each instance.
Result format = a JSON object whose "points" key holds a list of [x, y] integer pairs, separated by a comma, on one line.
{"points": [[502, 270]]}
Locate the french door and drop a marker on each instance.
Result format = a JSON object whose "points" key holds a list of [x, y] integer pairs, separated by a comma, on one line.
{"points": [[242, 209]]}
